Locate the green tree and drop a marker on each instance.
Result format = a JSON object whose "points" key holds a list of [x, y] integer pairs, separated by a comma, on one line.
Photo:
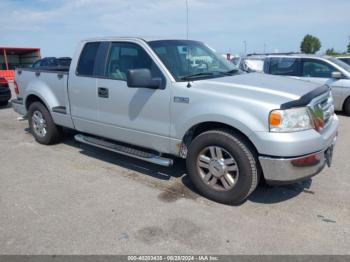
{"points": [[331, 52], [349, 48], [310, 44]]}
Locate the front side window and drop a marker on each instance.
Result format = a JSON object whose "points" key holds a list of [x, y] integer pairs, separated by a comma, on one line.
{"points": [[87, 59], [315, 68], [284, 66], [190, 60], [125, 56]]}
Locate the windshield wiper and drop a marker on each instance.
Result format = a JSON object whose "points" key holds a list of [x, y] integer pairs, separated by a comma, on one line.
{"points": [[204, 74], [213, 73]]}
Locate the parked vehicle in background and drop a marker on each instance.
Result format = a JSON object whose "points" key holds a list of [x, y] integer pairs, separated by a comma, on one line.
{"points": [[235, 60], [345, 59], [146, 98], [53, 63], [320, 70], [252, 63], [5, 92]]}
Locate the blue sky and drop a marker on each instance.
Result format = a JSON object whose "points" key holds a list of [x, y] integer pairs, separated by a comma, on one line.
{"points": [[56, 26]]}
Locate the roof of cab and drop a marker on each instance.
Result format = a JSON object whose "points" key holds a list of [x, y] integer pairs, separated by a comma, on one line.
{"points": [[116, 38]]}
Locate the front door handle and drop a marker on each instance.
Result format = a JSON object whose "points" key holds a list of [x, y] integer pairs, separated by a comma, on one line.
{"points": [[103, 92]]}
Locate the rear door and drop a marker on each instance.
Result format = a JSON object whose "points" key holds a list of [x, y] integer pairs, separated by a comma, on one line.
{"points": [[138, 116], [82, 87], [320, 72], [284, 66]]}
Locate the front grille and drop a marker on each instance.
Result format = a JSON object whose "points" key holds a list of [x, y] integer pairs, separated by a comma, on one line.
{"points": [[327, 107], [322, 108]]}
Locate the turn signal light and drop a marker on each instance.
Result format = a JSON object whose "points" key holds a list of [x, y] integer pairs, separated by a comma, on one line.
{"points": [[306, 161], [275, 119]]}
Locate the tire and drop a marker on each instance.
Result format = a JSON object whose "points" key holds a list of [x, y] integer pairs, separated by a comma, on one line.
{"points": [[52, 132], [4, 103], [245, 176], [346, 106]]}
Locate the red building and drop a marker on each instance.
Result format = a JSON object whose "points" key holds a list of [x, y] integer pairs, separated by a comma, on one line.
{"points": [[12, 57]]}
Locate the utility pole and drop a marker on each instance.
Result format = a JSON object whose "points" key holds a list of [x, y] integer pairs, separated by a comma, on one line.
{"points": [[245, 47]]}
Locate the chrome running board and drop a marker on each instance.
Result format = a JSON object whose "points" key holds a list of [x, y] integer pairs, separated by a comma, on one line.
{"points": [[124, 150]]}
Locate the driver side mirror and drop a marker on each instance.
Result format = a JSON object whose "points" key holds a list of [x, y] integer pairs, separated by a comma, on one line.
{"points": [[337, 75], [137, 78]]}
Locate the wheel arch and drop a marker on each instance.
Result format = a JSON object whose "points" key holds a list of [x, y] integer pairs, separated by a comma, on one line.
{"points": [[202, 127], [31, 98]]}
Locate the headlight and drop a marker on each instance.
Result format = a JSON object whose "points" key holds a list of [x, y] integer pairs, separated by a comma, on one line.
{"points": [[290, 120]]}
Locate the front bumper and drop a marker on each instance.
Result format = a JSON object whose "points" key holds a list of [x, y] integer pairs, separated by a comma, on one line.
{"points": [[18, 106], [279, 171]]}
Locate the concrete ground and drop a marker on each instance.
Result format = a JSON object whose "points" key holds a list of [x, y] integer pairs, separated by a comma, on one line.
{"points": [[76, 199]]}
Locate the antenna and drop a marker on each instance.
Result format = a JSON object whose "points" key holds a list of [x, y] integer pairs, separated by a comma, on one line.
{"points": [[187, 19], [188, 64]]}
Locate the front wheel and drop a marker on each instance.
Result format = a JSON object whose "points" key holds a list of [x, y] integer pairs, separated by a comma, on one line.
{"points": [[43, 128], [222, 167], [347, 106]]}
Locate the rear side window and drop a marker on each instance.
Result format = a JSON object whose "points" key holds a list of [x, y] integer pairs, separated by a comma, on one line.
{"points": [[87, 59], [284, 66]]}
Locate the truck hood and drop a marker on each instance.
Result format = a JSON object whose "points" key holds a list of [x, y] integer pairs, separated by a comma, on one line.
{"points": [[263, 87]]}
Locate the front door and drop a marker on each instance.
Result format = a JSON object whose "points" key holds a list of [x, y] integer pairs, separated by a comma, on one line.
{"points": [[138, 116], [320, 72]]}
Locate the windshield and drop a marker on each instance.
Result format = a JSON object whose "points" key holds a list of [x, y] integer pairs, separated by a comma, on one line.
{"points": [[340, 63], [191, 60]]}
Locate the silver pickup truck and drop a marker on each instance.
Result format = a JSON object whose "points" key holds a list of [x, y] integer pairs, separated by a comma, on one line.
{"points": [[156, 100]]}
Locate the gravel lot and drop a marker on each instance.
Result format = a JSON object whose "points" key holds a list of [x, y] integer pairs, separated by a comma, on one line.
{"points": [[76, 199]]}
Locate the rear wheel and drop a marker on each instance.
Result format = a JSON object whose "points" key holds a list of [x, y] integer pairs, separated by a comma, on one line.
{"points": [[222, 167], [43, 128], [347, 106]]}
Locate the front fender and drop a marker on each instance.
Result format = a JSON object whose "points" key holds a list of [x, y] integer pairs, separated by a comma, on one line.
{"points": [[244, 120], [237, 117]]}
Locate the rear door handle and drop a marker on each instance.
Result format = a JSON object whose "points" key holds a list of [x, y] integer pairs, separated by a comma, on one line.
{"points": [[103, 92]]}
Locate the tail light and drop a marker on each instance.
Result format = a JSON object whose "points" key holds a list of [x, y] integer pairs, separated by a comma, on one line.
{"points": [[16, 87]]}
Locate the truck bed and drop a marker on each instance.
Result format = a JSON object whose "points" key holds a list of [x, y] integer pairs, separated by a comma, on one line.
{"points": [[48, 83]]}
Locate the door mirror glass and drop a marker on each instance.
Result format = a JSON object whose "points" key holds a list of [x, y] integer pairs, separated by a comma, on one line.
{"points": [[337, 75], [137, 78]]}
